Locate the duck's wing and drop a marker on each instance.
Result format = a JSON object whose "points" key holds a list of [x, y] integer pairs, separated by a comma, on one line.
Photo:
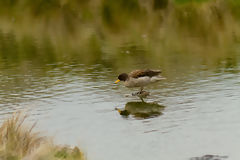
{"points": [[143, 73]]}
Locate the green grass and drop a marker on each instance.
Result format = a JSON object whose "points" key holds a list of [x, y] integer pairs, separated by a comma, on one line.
{"points": [[189, 1]]}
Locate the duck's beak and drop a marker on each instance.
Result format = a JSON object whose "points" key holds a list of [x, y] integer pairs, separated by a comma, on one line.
{"points": [[119, 111], [117, 81]]}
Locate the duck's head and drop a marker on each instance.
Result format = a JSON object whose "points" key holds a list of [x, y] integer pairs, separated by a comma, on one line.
{"points": [[122, 77]]}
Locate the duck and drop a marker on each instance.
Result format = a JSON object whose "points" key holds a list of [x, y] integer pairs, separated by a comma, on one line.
{"points": [[140, 78]]}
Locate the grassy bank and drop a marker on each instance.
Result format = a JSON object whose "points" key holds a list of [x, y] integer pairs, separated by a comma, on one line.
{"points": [[19, 141], [102, 25]]}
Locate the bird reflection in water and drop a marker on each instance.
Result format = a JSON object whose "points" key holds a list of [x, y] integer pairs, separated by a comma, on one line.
{"points": [[141, 110]]}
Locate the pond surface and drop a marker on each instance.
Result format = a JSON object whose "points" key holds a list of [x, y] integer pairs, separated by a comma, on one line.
{"points": [[194, 112]]}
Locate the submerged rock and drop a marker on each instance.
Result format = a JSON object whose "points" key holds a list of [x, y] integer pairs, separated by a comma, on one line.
{"points": [[210, 157]]}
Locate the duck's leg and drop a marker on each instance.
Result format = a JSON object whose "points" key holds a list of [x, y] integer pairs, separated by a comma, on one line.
{"points": [[141, 99]]}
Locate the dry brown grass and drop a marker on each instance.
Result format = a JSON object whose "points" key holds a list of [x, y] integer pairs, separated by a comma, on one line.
{"points": [[19, 141], [16, 140]]}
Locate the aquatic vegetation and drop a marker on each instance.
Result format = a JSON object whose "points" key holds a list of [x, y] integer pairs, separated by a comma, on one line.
{"points": [[20, 141]]}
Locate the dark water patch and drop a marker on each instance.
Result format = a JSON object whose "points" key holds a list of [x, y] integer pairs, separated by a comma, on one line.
{"points": [[210, 157]]}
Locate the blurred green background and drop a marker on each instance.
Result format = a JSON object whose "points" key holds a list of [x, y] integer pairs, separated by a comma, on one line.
{"points": [[117, 32]]}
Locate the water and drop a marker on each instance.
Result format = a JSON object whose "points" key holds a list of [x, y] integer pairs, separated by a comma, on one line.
{"points": [[194, 112]]}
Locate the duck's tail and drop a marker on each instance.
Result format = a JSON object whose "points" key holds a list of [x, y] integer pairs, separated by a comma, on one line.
{"points": [[157, 78]]}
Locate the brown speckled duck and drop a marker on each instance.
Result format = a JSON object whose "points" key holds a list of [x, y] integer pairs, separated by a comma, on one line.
{"points": [[140, 78]]}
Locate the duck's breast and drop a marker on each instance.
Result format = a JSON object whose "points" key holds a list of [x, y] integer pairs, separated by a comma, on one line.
{"points": [[137, 82]]}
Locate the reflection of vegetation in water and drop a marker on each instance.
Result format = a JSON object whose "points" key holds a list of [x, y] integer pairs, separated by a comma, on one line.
{"points": [[17, 51], [142, 109], [119, 34], [18, 141]]}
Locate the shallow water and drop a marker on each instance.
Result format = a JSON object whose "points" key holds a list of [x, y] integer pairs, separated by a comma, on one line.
{"points": [[76, 102]]}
